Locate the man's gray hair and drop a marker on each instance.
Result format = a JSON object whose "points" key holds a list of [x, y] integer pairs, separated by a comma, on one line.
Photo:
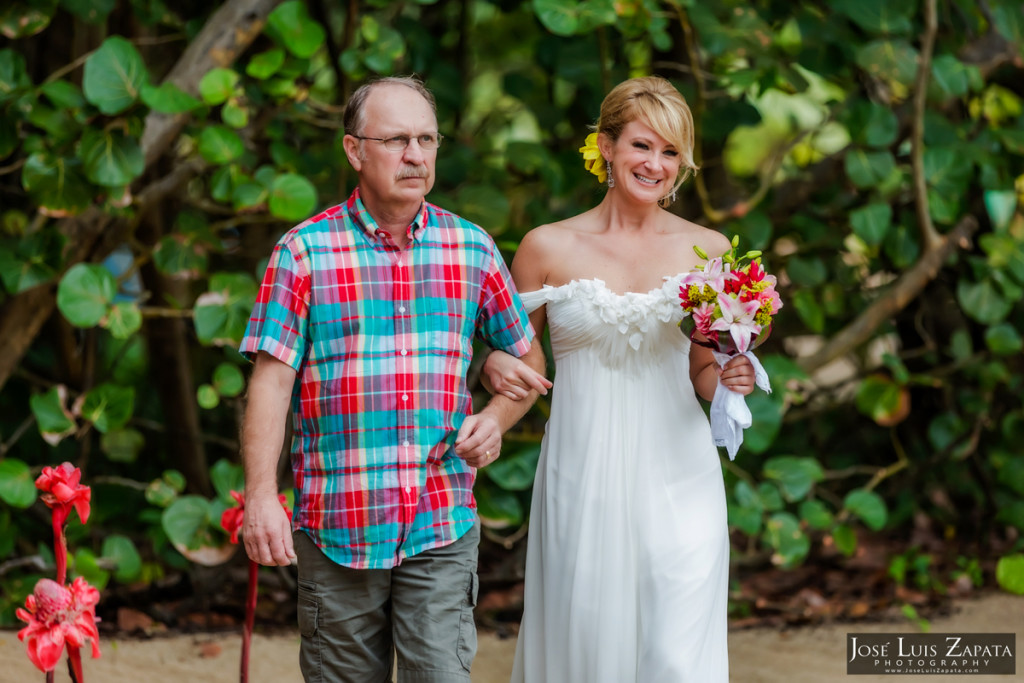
{"points": [[353, 120]]}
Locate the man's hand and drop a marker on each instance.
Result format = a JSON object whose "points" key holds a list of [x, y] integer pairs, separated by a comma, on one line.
{"points": [[266, 531], [479, 440]]}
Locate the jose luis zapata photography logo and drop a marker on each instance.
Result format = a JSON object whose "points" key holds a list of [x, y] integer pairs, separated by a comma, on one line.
{"points": [[931, 653]]}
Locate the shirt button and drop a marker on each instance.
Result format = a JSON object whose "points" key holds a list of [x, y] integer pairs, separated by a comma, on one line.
{"points": [[408, 489], [405, 397], [401, 309], [406, 442], [405, 352]]}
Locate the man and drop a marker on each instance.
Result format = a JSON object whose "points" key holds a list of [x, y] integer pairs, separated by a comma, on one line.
{"points": [[363, 327]]}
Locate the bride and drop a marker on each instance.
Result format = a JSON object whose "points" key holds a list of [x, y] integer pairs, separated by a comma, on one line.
{"points": [[628, 552]]}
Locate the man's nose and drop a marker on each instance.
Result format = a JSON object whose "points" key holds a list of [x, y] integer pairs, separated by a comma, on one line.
{"points": [[413, 154]]}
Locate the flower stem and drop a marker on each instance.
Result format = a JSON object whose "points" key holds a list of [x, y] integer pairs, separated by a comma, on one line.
{"points": [[60, 550], [250, 619], [49, 677], [75, 659]]}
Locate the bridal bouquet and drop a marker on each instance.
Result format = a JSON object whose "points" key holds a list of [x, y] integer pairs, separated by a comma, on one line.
{"points": [[731, 302]]}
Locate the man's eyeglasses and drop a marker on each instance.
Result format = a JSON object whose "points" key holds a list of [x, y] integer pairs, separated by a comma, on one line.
{"points": [[427, 141]]}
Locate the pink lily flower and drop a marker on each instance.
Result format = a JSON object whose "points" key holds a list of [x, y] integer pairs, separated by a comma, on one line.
{"points": [[738, 319], [713, 274], [56, 617]]}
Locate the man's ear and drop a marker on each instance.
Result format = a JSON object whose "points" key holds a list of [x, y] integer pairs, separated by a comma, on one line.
{"points": [[351, 146]]}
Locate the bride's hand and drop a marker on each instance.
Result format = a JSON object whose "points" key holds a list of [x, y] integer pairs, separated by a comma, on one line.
{"points": [[738, 375], [505, 374]]}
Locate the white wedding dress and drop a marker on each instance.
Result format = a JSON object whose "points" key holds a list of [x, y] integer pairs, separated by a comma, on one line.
{"points": [[628, 553]]}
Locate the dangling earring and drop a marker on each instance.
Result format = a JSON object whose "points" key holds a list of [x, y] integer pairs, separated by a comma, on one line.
{"points": [[672, 197], [611, 180]]}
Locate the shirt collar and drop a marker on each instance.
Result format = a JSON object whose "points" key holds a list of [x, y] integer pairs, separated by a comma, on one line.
{"points": [[362, 218]]}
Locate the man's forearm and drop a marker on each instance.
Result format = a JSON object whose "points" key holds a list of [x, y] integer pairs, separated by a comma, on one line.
{"points": [[264, 426]]}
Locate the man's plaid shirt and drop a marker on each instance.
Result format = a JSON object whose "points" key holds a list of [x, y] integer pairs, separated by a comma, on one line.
{"points": [[381, 339]]}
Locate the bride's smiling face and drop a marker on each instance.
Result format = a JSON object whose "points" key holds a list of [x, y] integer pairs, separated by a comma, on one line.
{"points": [[644, 164]]}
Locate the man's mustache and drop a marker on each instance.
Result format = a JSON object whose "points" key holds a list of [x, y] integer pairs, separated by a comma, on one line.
{"points": [[412, 172]]}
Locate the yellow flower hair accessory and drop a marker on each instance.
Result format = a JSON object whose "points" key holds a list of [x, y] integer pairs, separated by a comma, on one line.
{"points": [[592, 158]]}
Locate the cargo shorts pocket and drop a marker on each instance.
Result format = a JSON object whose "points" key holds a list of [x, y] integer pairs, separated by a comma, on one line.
{"points": [[308, 608], [467, 624]]}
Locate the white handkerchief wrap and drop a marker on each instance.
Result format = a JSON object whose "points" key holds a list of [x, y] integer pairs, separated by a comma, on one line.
{"points": [[729, 412]]}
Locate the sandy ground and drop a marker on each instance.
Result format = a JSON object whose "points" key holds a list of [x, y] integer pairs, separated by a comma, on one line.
{"points": [[805, 655]]}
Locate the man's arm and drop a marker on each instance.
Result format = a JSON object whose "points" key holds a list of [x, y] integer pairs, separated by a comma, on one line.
{"points": [[265, 527], [479, 439]]}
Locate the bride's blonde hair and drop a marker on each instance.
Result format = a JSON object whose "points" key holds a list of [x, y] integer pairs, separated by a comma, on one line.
{"points": [[657, 103]]}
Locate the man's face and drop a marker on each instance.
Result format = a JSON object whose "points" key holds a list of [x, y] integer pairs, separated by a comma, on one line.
{"points": [[386, 177]]}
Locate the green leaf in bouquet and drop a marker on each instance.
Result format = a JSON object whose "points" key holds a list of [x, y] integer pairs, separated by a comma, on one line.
{"points": [[228, 379], [122, 552], [123, 445], [114, 75], [291, 25], [220, 145], [515, 472], [85, 294], [17, 485], [794, 475], [868, 506], [56, 184], [218, 85], [167, 98], [24, 18], [292, 197], [54, 420]]}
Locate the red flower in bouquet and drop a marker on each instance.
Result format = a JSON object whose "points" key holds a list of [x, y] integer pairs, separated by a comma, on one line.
{"points": [[731, 300], [58, 616]]}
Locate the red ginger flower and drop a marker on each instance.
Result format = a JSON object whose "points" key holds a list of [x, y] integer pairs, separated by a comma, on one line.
{"points": [[57, 616], [62, 490], [231, 519]]}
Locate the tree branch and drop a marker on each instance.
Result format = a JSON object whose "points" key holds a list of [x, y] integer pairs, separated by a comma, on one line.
{"points": [[227, 34], [903, 291], [930, 238]]}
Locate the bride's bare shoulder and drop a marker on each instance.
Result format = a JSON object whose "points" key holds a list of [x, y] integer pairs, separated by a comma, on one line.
{"points": [[555, 237], [711, 241]]}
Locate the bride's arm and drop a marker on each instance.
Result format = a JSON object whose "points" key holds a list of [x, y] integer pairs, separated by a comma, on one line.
{"points": [[737, 375], [502, 372]]}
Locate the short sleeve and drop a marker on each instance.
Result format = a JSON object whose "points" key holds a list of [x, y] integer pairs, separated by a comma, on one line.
{"points": [[280, 317], [503, 323]]}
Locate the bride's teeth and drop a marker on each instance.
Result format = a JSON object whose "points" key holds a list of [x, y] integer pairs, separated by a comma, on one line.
{"points": [[645, 180]]}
